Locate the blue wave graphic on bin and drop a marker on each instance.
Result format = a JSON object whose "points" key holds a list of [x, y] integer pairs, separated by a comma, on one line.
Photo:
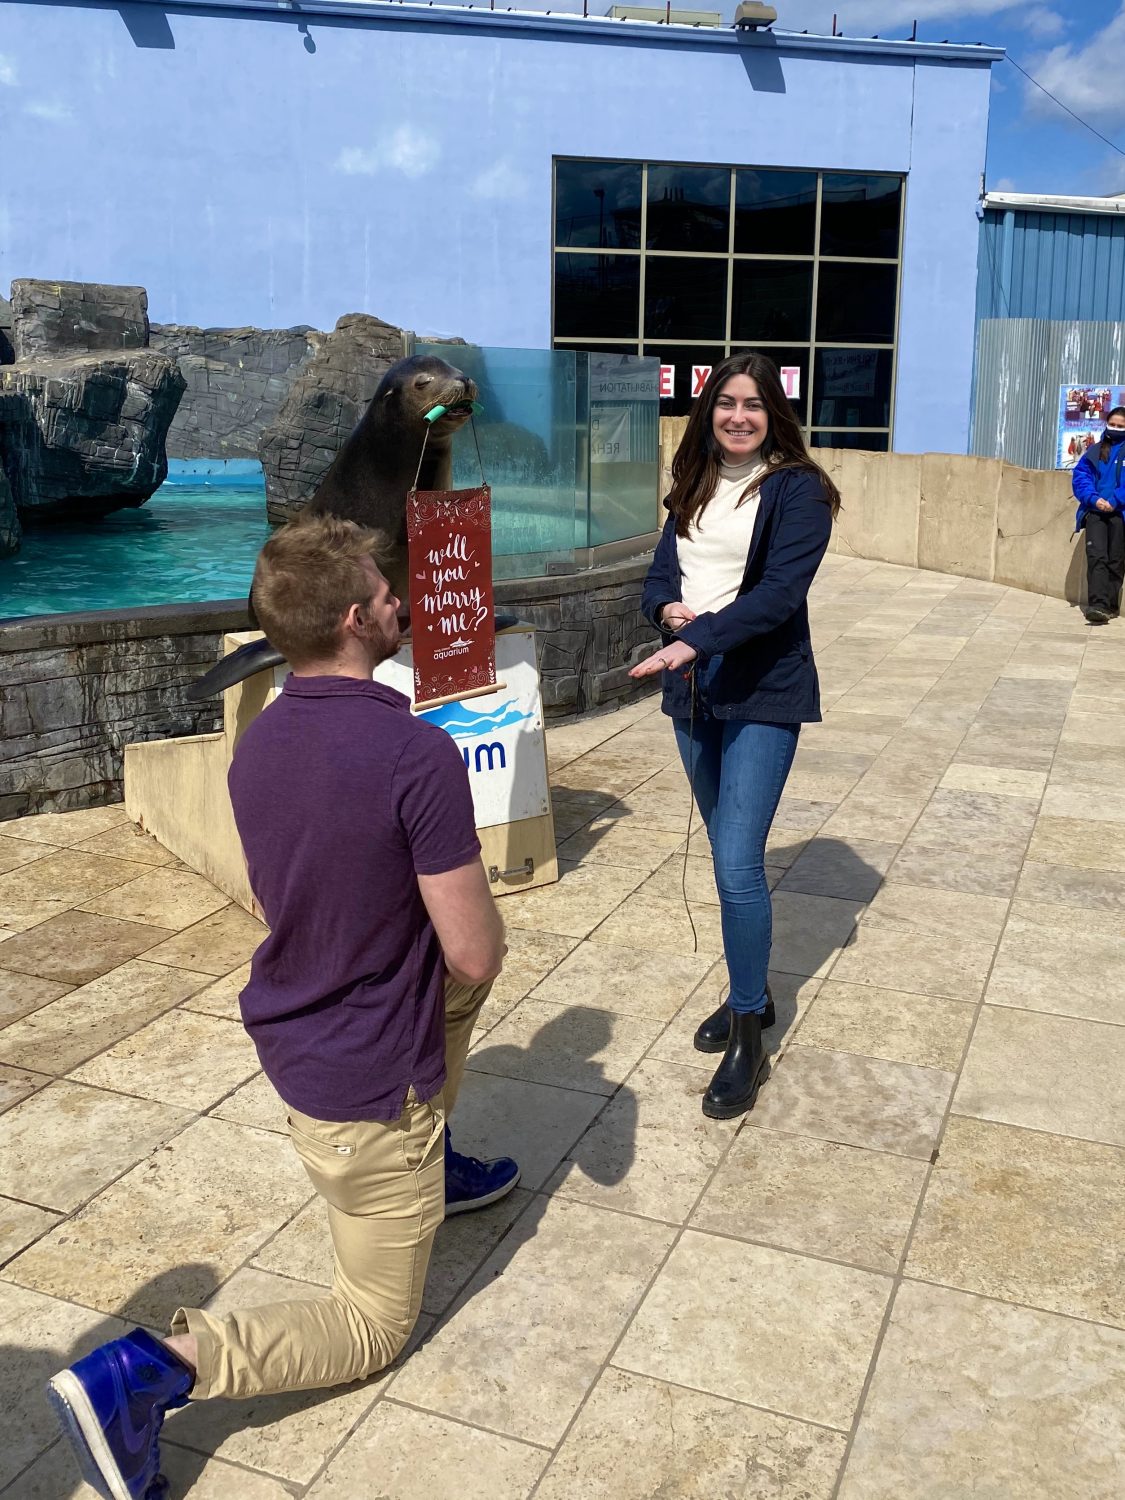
{"points": [[463, 723]]}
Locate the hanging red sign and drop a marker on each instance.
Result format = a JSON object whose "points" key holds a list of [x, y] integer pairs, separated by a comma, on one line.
{"points": [[451, 607]]}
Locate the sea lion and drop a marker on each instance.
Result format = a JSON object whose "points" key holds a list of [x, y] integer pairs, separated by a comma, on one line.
{"points": [[369, 479], [373, 472]]}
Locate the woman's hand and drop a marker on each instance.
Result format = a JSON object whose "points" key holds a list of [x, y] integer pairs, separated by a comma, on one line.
{"points": [[675, 616], [1099, 505], [667, 659]]}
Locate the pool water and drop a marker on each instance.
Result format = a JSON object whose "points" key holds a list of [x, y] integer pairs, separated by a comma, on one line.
{"points": [[196, 541], [189, 543]]}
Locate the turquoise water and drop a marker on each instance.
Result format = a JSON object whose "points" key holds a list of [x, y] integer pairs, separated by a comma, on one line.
{"points": [[189, 543], [196, 541]]}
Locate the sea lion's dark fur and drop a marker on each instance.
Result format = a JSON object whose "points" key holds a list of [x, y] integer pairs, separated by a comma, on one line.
{"points": [[369, 479]]}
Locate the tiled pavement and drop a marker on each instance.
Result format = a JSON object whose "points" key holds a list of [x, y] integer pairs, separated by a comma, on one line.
{"points": [[900, 1277]]}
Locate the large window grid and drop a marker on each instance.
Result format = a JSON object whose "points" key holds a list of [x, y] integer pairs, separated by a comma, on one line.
{"points": [[811, 345]]}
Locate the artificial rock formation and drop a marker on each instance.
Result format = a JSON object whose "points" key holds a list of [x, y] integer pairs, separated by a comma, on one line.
{"points": [[85, 406], [237, 380]]}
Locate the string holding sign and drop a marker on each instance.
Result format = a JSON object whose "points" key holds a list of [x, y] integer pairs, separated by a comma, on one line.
{"points": [[453, 622]]}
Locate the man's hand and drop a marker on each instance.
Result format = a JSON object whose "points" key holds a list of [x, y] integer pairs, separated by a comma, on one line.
{"points": [[675, 616], [668, 659], [1102, 505]]}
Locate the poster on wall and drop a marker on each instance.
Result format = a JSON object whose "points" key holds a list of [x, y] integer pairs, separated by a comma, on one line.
{"points": [[1083, 410], [454, 633]]}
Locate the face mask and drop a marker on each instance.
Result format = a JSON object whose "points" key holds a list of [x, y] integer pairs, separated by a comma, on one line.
{"points": [[1115, 434]]}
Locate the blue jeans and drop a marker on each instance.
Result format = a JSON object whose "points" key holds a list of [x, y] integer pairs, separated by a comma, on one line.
{"points": [[738, 771]]}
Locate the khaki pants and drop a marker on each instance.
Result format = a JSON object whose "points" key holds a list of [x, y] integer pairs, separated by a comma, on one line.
{"points": [[384, 1185]]}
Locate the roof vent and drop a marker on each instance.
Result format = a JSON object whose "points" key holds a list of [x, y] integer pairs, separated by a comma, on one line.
{"points": [[749, 16]]}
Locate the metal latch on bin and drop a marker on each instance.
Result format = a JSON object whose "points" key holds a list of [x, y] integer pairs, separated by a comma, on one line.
{"points": [[495, 873]]}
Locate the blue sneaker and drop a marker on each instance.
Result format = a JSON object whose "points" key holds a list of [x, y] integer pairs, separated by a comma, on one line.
{"points": [[470, 1183], [111, 1404]]}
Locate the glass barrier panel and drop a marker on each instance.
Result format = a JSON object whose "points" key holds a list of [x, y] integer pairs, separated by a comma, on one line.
{"points": [[527, 436], [623, 421]]}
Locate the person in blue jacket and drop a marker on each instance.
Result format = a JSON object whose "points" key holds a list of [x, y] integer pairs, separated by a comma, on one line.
{"points": [[750, 517], [1099, 489]]}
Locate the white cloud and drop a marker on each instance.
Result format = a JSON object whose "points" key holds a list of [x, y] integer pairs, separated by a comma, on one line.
{"points": [[1077, 76], [7, 71], [500, 181], [1005, 185], [49, 109], [1043, 23], [404, 150]]}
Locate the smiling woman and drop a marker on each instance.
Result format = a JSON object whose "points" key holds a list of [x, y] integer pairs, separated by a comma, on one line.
{"points": [[750, 519]]}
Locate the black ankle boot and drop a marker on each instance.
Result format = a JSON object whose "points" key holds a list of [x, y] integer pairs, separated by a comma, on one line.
{"points": [[713, 1034], [743, 1070]]}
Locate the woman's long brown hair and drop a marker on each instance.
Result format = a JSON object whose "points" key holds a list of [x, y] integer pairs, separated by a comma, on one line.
{"points": [[695, 468]]}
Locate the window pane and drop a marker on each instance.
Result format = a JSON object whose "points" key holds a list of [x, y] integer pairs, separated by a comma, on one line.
{"points": [[685, 365], [856, 304], [772, 300], [859, 215], [775, 213], [685, 299], [873, 442], [688, 208], [598, 203], [787, 359], [852, 388], [597, 295]]}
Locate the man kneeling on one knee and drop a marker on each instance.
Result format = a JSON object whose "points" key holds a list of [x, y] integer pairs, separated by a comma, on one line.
{"points": [[357, 822]]}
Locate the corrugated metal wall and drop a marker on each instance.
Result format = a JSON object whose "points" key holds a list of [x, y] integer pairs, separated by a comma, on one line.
{"points": [[1021, 363], [1051, 265]]}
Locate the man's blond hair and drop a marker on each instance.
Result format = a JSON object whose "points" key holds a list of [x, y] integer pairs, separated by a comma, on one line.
{"points": [[307, 577]]}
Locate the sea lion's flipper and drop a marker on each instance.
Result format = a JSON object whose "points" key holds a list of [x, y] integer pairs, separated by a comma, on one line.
{"points": [[255, 656]]}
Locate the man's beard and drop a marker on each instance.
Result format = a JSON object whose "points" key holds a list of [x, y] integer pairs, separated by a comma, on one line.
{"points": [[382, 646]]}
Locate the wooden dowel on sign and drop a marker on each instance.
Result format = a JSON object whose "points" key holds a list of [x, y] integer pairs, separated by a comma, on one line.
{"points": [[481, 692]]}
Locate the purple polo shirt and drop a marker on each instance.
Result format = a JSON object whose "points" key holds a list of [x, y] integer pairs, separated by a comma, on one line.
{"points": [[342, 798]]}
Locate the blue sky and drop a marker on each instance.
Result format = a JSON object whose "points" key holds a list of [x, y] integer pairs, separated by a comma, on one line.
{"points": [[1076, 49]]}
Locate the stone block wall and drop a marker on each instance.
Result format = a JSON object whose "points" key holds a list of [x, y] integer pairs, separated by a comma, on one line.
{"points": [[237, 380], [75, 689], [977, 517]]}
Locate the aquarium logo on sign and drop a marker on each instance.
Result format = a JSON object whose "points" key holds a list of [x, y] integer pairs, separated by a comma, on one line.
{"points": [[464, 723]]}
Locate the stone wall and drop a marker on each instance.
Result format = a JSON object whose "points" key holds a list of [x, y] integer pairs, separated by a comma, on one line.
{"points": [[977, 517], [237, 380], [75, 689]]}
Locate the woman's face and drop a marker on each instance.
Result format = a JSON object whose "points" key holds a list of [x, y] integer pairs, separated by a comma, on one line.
{"points": [[1116, 422], [739, 419]]}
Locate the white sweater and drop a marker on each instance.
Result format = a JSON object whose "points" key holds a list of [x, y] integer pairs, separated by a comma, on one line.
{"points": [[712, 556]]}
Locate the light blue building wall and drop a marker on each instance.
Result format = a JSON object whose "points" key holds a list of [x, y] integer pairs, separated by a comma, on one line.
{"points": [[250, 165]]}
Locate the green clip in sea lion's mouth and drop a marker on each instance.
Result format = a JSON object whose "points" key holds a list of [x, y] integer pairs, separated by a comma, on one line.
{"points": [[458, 409]]}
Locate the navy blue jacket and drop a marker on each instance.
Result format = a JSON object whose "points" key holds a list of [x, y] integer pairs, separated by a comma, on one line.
{"points": [[767, 672]]}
